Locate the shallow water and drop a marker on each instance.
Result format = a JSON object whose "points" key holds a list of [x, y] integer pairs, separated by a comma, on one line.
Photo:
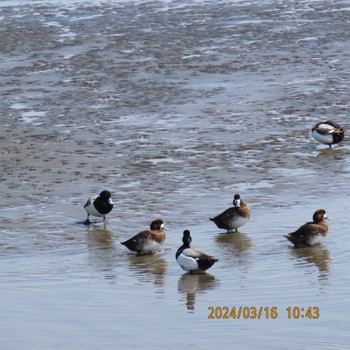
{"points": [[173, 106]]}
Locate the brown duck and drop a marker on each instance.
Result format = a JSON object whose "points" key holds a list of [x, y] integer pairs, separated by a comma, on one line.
{"points": [[234, 217], [148, 241], [310, 233]]}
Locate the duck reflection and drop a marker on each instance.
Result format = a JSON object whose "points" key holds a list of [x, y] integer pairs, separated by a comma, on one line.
{"points": [[235, 250], [191, 284], [149, 268], [237, 243], [328, 156], [102, 251], [100, 236], [317, 255]]}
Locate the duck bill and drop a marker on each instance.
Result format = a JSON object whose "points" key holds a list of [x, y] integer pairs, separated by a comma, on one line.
{"points": [[325, 217]]}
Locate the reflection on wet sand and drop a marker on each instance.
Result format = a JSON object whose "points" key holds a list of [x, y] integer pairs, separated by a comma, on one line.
{"points": [[237, 242], [317, 255], [149, 267], [236, 247], [336, 157], [100, 236], [102, 251], [191, 284]]}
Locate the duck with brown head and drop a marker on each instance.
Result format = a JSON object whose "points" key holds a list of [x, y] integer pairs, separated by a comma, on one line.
{"points": [[310, 233], [234, 217], [147, 241]]}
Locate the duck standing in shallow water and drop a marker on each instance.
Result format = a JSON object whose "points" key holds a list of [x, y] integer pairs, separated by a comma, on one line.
{"points": [[310, 233], [191, 259], [328, 132], [99, 206], [234, 217], [148, 241]]}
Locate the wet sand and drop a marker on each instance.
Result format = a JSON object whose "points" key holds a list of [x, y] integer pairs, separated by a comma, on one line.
{"points": [[174, 107]]}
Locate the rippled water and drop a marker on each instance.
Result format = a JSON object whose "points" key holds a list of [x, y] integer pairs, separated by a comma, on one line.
{"points": [[174, 106]]}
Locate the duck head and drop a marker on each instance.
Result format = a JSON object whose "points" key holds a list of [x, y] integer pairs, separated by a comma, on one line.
{"points": [[237, 200]]}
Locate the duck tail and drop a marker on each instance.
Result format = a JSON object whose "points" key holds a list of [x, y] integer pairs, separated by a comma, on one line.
{"points": [[212, 219], [288, 236]]}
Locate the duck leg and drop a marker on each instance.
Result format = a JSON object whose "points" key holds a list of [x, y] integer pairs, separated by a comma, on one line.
{"points": [[87, 221]]}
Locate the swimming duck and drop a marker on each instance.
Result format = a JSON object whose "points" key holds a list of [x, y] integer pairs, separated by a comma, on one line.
{"points": [[191, 259], [328, 132], [234, 217], [148, 241], [312, 232], [99, 206]]}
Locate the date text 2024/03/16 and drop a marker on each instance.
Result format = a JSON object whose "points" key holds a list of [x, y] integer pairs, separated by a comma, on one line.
{"points": [[261, 312]]}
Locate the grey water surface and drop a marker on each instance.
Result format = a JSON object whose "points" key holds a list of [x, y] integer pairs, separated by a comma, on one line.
{"points": [[174, 106]]}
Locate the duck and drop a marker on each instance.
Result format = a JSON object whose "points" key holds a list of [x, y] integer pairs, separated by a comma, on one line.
{"points": [[234, 217], [148, 241], [191, 259], [328, 132], [310, 233], [99, 205]]}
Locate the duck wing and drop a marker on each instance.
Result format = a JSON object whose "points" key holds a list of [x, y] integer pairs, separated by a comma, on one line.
{"points": [[89, 202], [225, 219], [324, 128], [303, 233], [198, 255], [308, 229], [148, 240], [136, 242], [194, 253], [227, 214]]}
